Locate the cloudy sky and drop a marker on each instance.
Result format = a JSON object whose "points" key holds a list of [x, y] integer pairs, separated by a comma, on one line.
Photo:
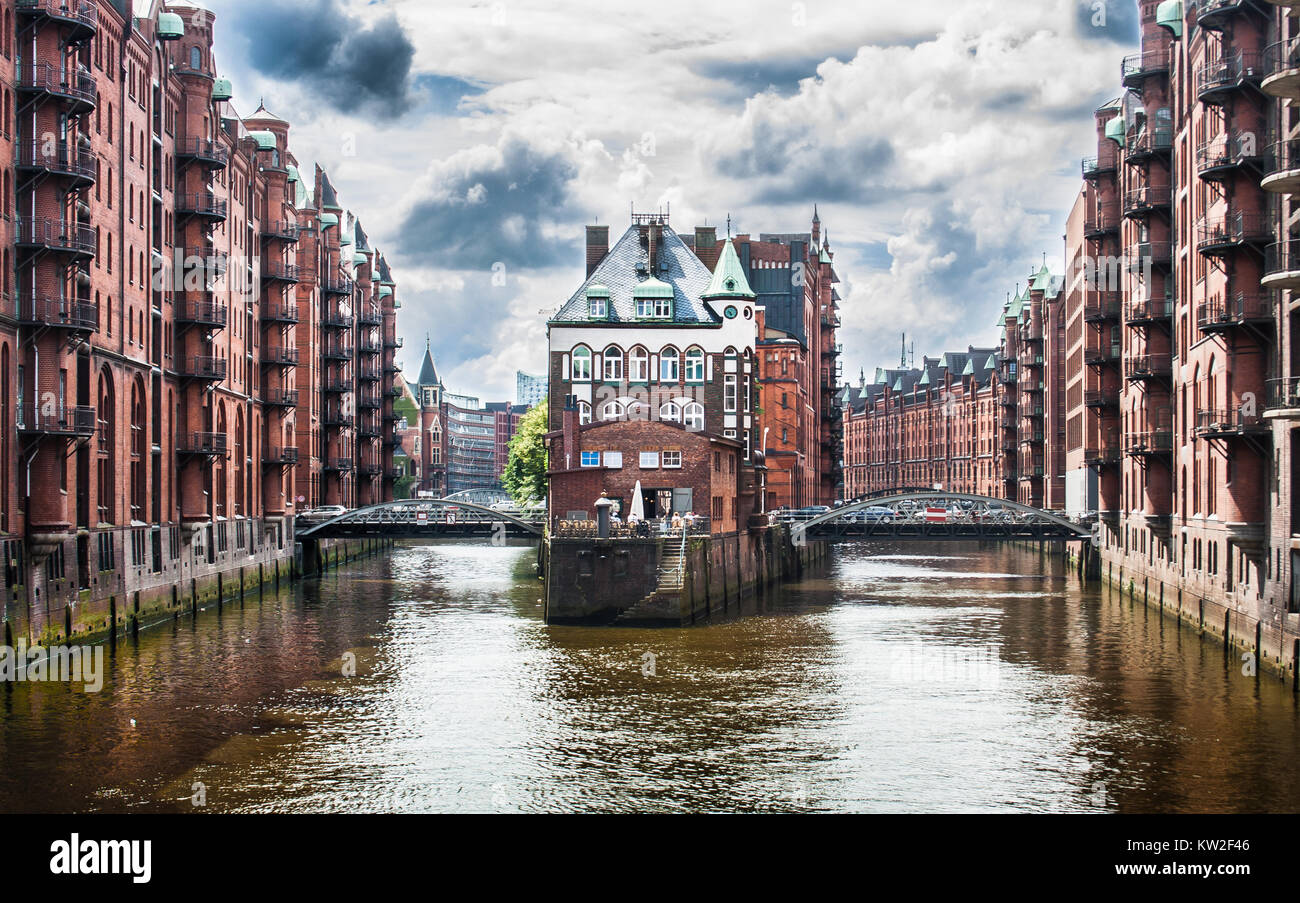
{"points": [[940, 140]]}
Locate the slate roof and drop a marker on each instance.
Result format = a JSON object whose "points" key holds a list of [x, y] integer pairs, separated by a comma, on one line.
{"points": [[679, 268], [428, 372]]}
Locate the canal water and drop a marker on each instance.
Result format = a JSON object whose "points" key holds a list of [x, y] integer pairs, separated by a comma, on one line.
{"points": [[905, 678]]}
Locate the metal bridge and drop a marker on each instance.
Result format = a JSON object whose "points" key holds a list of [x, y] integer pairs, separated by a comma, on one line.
{"points": [[485, 497], [424, 519], [930, 515]]}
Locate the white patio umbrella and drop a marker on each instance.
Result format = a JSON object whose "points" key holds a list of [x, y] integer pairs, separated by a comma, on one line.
{"points": [[638, 504]]}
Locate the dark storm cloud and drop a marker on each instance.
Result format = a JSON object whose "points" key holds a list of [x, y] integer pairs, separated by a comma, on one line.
{"points": [[1107, 20], [490, 205], [791, 166], [355, 62]]}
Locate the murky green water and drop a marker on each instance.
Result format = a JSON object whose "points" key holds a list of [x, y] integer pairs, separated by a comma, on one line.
{"points": [[904, 678]]}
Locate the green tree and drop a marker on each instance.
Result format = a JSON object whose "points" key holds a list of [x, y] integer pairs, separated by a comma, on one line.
{"points": [[525, 474]]}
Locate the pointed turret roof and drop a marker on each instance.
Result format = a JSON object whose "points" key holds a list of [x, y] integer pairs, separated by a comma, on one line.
{"points": [[728, 276], [428, 372], [263, 113]]}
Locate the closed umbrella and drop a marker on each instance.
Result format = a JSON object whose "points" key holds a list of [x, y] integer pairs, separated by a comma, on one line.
{"points": [[638, 504]]}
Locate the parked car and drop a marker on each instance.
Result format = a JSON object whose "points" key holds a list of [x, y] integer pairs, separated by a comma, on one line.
{"points": [[877, 515]]}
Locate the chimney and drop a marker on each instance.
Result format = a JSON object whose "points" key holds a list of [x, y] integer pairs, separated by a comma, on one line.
{"points": [[597, 246], [705, 237], [652, 251]]}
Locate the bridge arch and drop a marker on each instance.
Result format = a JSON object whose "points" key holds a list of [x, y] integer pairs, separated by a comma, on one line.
{"points": [[404, 511], [887, 501]]}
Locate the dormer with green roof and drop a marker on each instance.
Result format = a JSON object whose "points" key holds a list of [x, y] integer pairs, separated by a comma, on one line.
{"points": [[653, 300]]}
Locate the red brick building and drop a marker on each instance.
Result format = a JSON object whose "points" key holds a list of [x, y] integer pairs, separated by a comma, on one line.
{"points": [[158, 340]]}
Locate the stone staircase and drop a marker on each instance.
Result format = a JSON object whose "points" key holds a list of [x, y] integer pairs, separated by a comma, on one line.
{"points": [[667, 594]]}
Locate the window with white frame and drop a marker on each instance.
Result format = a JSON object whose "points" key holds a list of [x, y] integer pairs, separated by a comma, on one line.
{"points": [[729, 393], [668, 365], [663, 308], [672, 459], [582, 364], [693, 416], [695, 365], [598, 309], [612, 410], [670, 412], [613, 363], [584, 412], [614, 459], [649, 460], [638, 365]]}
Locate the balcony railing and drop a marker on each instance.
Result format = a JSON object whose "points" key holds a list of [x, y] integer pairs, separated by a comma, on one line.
{"points": [[58, 313], [78, 90], [335, 320], [1142, 201], [59, 158], [1138, 67], [80, 14], [370, 374], [1283, 77], [1282, 168], [337, 351], [338, 419], [1149, 366], [214, 263], [1219, 158], [1282, 265], [1158, 254], [1101, 165], [1103, 455], [1284, 396], [68, 421], [1217, 79], [275, 456], [1218, 237], [1101, 399], [1153, 141], [336, 386], [280, 271], [280, 398], [1150, 442], [1227, 423], [1100, 224], [206, 444], [209, 314], [367, 345], [1099, 308], [338, 465], [368, 317], [1240, 310], [203, 204], [1214, 14], [392, 343], [369, 401], [279, 312], [280, 230], [54, 235], [333, 284], [201, 150], [279, 356], [1104, 354], [212, 369], [1149, 311]]}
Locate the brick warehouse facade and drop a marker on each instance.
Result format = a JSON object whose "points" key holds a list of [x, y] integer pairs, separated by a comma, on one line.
{"points": [[168, 274], [1168, 373]]}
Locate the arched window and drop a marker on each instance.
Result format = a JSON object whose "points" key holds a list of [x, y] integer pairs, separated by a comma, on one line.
{"points": [[219, 471], [196, 59], [106, 414], [668, 366], [584, 412], [670, 412], [693, 416], [613, 363], [638, 365], [695, 365], [582, 364], [612, 410], [138, 441], [240, 471]]}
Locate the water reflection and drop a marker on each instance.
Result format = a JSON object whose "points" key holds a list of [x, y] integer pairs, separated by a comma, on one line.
{"points": [[904, 678]]}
